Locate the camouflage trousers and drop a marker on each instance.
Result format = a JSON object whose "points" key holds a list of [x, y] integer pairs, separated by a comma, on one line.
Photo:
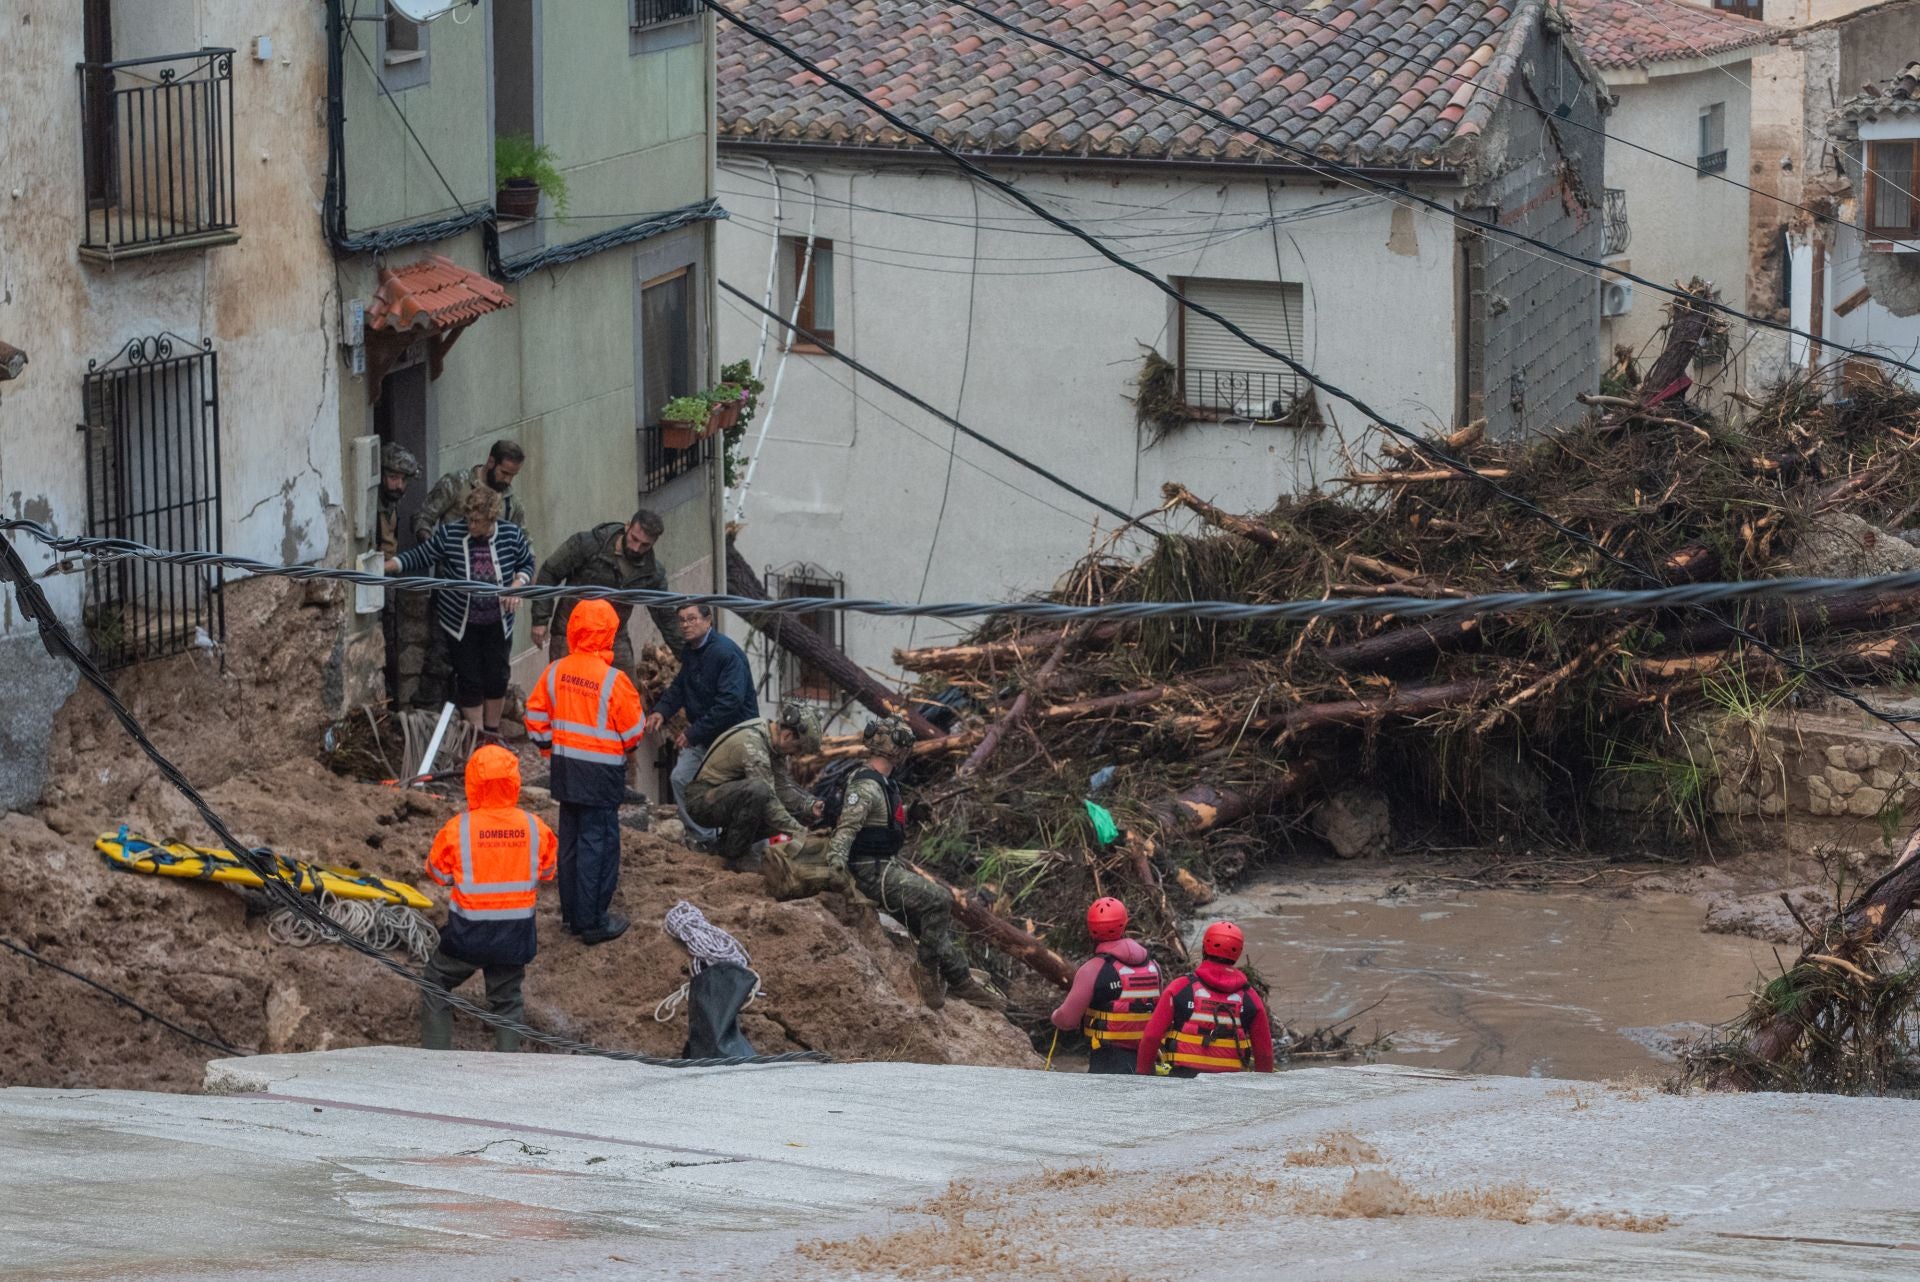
{"points": [[922, 907], [744, 810]]}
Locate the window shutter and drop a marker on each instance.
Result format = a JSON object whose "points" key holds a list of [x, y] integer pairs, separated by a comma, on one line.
{"points": [[1272, 313]]}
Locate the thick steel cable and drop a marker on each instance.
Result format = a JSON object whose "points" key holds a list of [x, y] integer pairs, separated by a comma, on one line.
{"points": [[123, 999], [61, 645], [1557, 600], [1420, 443]]}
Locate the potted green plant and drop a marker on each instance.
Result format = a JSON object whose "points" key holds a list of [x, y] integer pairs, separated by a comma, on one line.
{"points": [[740, 374], [522, 170], [683, 421]]}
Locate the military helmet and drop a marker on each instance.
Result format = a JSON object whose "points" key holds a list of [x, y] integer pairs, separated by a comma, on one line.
{"points": [[888, 737], [395, 457], [803, 721]]}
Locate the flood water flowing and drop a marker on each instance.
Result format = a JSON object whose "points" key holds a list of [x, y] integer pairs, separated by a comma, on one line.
{"points": [[1499, 981]]}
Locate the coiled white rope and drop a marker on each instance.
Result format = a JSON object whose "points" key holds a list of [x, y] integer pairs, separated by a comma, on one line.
{"points": [[386, 926], [709, 946]]}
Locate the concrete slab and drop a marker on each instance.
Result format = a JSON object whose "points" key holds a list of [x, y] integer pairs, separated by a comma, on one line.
{"points": [[389, 1162]]}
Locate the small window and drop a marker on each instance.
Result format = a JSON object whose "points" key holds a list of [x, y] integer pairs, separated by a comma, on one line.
{"points": [[1741, 8], [1220, 375], [800, 679], [816, 300], [1891, 170], [651, 13], [403, 51], [1713, 138], [668, 349]]}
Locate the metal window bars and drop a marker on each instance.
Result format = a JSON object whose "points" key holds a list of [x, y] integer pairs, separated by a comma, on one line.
{"points": [[796, 678], [158, 151], [649, 13], [1712, 163], [1260, 395], [152, 433], [659, 463], [1619, 230]]}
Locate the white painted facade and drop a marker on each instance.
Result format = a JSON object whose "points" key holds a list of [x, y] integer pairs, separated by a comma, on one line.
{"points": [[265, 303], [1684, 223], [1027, 337]]}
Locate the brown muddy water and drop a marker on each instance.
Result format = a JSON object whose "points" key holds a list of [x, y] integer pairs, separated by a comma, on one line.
{"points": [[1499, 981]]}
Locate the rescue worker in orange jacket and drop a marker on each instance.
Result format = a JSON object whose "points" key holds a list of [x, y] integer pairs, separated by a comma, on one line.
{"points": [[585, 717], [1113, 992], [1216, 1021], [490, 857]]}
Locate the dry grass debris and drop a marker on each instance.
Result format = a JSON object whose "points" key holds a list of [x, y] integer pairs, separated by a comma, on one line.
{"points": [[1335, 1148]]}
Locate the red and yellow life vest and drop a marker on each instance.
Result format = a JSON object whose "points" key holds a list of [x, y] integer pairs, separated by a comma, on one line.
{"points": [[1213, 1039], [1119, 1019]]}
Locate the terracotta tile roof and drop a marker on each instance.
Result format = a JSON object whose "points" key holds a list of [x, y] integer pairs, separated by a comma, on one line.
{"points": [[1633, 33], [1897, 96], [433, 294], [1343, 90]]}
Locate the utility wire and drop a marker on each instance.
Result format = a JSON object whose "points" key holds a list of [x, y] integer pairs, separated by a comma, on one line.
{"points": [[1556, 600], [60, 644], [122, 999], [1319, 162], [910, 398], [1895, 720], [1407, 60]]}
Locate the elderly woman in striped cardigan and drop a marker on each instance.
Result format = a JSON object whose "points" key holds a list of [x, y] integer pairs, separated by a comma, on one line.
{"points": [[482, 547]]}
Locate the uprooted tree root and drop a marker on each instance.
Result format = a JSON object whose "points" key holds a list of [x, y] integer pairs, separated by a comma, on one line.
{"points": [[1845, 1016]]}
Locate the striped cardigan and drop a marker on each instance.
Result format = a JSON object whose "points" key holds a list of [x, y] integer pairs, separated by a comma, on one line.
{"points": [[448, 554]]}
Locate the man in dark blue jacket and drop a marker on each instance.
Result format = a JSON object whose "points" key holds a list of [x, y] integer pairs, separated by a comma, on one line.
{"points": [[715, 689]]}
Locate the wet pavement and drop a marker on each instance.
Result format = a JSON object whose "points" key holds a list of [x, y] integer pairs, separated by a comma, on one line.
{"points": [[453, 1167], [1564, 985]]}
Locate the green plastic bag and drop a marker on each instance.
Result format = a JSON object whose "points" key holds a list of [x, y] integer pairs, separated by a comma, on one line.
{"points": [[1103, 825]]}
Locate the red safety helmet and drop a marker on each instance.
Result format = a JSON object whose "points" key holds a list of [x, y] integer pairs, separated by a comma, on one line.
{"points": [[1107, 920], [1223, 942]]}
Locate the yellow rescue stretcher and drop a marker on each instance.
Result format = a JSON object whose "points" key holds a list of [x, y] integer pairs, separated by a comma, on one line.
{"points": [[135, 853]]}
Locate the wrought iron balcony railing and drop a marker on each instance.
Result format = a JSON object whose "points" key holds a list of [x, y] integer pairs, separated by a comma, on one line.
{"points": [[1619, 230], [1237, 393], [660, 463], [647, 13], [158, 150], [1712, 163]]}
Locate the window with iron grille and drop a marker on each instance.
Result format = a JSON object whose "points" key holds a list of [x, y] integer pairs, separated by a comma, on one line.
{"points": [[1713, 139], [1619, 230], [650, 13], [152, 430], [1220, 375], [668, 362], [795, 678]]}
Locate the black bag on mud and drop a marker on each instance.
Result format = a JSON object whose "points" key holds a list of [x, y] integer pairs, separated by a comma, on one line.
{"points": [[715, 998]]}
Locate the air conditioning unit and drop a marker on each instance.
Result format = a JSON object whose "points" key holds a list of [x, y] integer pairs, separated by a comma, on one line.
{"points": [[1616, 297]]}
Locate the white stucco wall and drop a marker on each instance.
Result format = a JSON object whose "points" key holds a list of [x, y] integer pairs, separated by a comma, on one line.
{"points": [[266, 302], [1684, 224], [1034, 341]]}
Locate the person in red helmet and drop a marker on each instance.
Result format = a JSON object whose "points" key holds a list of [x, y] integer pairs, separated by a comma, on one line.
{"points": [[1217, 1022], [1113, 992]]}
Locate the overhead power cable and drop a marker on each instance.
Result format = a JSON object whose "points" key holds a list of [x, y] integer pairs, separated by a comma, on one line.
{"points": [[1420, 443], [918, 403], [1407, 60], [122, 999], [60, 644], [1555, 600], [1400, 194]]}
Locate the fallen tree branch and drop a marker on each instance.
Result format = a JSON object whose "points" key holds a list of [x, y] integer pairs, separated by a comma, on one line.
{"points": [[974, 913]]}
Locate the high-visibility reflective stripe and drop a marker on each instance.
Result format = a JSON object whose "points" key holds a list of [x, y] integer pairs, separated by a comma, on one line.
{"points": [[468, 885], [493, 914], [606, 697], [582, 728], [615, 758]]}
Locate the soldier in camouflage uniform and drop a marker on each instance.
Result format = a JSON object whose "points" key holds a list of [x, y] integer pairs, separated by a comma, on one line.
{"points": [[871, 830], [448, 497], [743, 787], [611, 555]]}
